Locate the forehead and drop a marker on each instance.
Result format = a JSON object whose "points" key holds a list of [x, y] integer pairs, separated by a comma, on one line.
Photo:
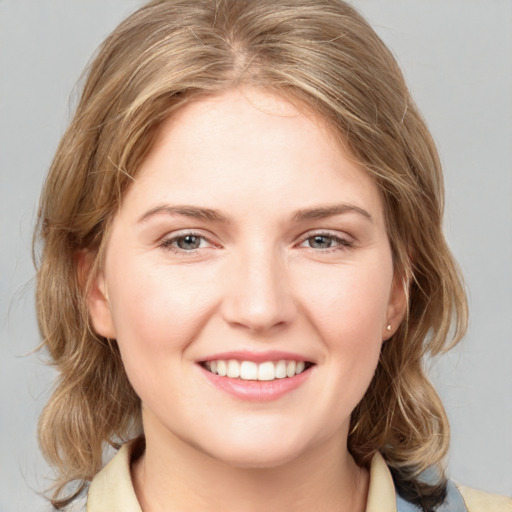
{"points": [[250, 143], [237, 112]]}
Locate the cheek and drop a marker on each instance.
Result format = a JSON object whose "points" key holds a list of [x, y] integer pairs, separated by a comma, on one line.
{"points": [[348, 303], [158, 309], [157, 316], [349, 311]]}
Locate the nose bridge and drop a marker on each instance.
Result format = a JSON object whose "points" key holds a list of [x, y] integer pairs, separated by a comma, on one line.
{"points": [[259, 296]]}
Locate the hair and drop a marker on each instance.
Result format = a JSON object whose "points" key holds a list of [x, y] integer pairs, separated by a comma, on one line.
{"points": [[323, 55]]}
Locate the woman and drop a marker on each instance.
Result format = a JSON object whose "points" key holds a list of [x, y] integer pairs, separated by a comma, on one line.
{"points": [[243, 267]]}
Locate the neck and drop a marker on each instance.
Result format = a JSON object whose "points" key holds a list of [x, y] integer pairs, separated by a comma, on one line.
{"points": [[174, 475]]}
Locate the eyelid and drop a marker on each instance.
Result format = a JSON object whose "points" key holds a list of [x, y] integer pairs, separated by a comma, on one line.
{"points": [[328, 233], [344, 241], [167, 241]]}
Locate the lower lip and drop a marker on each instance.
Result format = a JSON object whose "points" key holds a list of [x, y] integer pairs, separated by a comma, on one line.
{"points": [[258, 390]]}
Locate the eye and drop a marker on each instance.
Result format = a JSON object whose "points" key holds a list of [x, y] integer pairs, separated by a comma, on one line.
{"points": [[325, 241], [186, 242]]}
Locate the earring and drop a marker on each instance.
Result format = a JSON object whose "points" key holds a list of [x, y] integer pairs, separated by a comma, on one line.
{"points": [[388, 327]]}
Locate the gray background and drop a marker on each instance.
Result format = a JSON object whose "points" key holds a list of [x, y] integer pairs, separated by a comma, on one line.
{"points": [[456, 55]]}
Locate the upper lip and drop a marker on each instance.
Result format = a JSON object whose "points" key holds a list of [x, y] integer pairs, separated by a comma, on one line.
{"points": [[256, 357]]}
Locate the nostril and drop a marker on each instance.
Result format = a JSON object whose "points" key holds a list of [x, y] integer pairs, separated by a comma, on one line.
{"points": [[258, 296]]}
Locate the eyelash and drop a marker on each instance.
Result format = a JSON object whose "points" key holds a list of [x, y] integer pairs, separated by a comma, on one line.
{"points": [[341, 243], [170, 243]]}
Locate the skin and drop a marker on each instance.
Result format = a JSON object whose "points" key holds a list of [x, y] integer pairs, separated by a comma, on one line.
{"points": [[259, 281]]}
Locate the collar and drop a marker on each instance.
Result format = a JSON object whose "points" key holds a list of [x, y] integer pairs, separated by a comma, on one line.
{"points": [[112, 490]]}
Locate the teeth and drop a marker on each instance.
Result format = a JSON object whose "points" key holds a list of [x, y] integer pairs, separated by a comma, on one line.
{"points": [[281, 369], [249, 370], [267, 371], [233, 369], [290, 368], [222, 369]]}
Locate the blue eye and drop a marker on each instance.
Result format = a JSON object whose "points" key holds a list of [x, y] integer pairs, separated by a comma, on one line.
{"points": [[187, 242], [322, 241]]}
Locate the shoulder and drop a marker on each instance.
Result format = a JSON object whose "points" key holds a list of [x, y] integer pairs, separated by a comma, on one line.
{"points": [[78, 505], [460, 498], [111, 489], [479, 501]]}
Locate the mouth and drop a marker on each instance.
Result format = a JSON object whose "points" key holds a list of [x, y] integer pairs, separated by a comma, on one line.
{"points": [[252, 371]]}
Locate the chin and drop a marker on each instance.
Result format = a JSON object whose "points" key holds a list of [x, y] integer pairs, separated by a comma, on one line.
{"points": [[256, 453], [256, 458]]}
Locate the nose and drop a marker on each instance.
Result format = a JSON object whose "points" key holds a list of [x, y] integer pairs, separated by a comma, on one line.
{"points": [[259, 296]]}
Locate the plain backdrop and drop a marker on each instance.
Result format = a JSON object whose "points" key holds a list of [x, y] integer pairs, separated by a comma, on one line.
{"points": [[456, 55]]}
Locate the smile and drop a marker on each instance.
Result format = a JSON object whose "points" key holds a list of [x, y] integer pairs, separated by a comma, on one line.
{"points": [[250, 370]]}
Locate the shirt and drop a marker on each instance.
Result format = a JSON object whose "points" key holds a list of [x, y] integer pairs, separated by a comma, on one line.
{"points": [[112, 491]]}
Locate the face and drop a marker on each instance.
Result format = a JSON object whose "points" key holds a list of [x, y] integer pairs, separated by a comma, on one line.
{"points": [[249, 281]]}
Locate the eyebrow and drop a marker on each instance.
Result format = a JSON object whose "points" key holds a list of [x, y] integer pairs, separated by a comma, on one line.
{"points": [[330, 211], [188, 211], [210, 214]]}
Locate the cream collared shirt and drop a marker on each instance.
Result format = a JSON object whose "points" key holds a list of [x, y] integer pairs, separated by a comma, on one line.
{"points": [[112, 490]]}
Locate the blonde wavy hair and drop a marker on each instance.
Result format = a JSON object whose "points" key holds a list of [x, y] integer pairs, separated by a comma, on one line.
{"points": [[323, 55]]}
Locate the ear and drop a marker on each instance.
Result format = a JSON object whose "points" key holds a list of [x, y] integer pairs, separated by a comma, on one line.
{"points": [[397, 307], [98, 304]]}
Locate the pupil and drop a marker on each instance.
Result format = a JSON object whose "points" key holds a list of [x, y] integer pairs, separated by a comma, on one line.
{"points": [[188, 242], [321, 242]]}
